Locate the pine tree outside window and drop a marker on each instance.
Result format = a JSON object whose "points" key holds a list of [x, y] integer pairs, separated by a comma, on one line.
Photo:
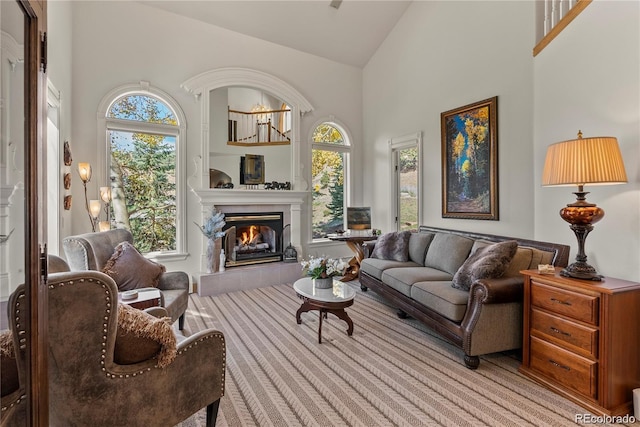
{"points": [[143, 136], [329, 178]]}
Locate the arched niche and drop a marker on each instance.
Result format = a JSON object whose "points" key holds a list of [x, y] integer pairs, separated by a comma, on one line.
{"points": [[202, 86]]}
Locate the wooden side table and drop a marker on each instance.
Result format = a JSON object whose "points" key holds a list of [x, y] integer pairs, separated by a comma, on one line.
{"points": [[355, 243], [582, 339], [146, 298]]}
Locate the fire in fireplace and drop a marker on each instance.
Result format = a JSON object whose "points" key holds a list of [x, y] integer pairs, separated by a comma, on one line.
{"points": [[253, 238]]}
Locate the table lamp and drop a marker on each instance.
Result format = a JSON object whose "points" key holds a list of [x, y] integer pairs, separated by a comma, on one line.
{"points": [[580, 162]]}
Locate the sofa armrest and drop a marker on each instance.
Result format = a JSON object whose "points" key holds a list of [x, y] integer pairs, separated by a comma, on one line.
{"points": [[367, 248], [174, 280], [498, 291]]}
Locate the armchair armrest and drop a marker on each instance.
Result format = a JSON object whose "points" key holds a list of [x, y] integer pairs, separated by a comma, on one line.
{"points": [[497, 291], [175, 280], [158, 312]]}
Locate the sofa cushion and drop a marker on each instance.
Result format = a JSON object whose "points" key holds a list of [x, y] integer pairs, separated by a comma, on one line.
{"points": [[440, 297], [375, 267], [418, 245], [490, 261], [521, 261], [393, 246], [401, 279], [142, 336], [447, 252], [130, 270]]}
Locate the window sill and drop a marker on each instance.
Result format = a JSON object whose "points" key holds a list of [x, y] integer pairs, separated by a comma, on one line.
{"points": [[166, 256]]}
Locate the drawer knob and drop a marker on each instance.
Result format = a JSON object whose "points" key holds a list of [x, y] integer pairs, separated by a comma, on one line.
{"points": [[558, 331], [557, 301], [554, 363]]}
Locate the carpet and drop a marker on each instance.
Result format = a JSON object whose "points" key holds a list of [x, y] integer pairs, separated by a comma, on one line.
{"points": [[391, 372]]}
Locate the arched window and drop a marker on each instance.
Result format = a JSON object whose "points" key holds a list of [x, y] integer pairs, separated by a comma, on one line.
{"points": [[144, 132], [329, 178]]}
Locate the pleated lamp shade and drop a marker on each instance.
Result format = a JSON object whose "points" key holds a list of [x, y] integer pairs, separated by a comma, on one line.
{"points": [[584, 161]]}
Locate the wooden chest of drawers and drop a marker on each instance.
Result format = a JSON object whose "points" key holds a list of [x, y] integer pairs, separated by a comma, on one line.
{"points": [[582, 339]]}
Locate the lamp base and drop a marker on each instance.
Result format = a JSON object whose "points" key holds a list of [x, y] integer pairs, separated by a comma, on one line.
{"points": [[581, 270]]}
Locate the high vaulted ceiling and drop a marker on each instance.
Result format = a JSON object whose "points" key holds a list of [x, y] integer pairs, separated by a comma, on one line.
{"points": [[349, 34]]}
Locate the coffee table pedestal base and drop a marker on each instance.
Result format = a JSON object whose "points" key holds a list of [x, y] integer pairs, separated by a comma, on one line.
{"points": [[323, 307]]}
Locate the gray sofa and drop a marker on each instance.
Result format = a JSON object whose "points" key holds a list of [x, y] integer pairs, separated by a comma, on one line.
{"points": [[485, 319]]}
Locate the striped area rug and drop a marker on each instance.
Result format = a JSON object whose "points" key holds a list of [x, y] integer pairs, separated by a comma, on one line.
{"points": [[391, 372]]}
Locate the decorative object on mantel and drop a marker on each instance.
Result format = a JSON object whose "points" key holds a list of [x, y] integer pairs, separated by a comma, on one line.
{"points": [[322, 270], [274, 185], [219, 179], [212, 230], [581, 161], [252, 169]]}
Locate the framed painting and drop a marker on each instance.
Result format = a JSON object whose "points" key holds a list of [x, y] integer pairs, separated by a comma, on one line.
{"points": [[470, 161]]}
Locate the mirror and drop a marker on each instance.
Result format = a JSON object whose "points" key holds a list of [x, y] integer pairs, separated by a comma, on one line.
{"points": [[12, 151], [246, 121]]}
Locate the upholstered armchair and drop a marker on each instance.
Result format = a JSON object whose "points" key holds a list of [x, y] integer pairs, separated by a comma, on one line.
{"points": [[92, 251], [12, 393], [89, 386]]}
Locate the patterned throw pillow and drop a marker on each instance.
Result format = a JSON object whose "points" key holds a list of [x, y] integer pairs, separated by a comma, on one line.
{"points": [[130, 270], [393, 246], [488, 262], [142, 336]]}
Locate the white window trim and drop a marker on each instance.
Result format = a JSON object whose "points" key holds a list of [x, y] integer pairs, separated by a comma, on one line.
{"points": [[399, 143], [180, 132], [346, 148]]}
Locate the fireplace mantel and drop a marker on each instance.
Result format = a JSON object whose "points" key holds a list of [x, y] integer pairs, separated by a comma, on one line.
{"points": [[234, 200], [219, 196]]}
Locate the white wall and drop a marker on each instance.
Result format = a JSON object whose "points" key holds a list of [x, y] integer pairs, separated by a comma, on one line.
{"points": [[59, 38], [115, 43], [588, 78], [443, 55]]}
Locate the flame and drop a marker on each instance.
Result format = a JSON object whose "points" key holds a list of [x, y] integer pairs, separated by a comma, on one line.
{"points": [[248, 239]]}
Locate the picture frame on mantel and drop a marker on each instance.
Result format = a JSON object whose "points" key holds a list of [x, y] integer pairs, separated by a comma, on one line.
{"points": [[470, 161]]}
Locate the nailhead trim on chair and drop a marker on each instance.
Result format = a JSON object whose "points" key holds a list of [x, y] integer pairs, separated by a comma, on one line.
{"points": [[4, 408]]}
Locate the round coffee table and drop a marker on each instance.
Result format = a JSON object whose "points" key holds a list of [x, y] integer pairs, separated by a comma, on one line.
{"points": [[333, 300]]}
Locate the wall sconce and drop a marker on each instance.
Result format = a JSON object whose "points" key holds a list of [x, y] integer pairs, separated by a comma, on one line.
{"points": [[84, 170], [578, 162]]}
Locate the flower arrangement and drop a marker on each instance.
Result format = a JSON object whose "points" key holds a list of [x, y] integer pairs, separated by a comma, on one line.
{"points": [[321, 268], [212, 227]]}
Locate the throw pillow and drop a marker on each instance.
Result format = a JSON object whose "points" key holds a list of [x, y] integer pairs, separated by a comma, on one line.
{"points": [[142, 336], [490, 261], [393, 246], [130, 270]]}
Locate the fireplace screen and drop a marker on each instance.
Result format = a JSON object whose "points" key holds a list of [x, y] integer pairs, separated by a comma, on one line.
{"points": [[253, 238]]}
